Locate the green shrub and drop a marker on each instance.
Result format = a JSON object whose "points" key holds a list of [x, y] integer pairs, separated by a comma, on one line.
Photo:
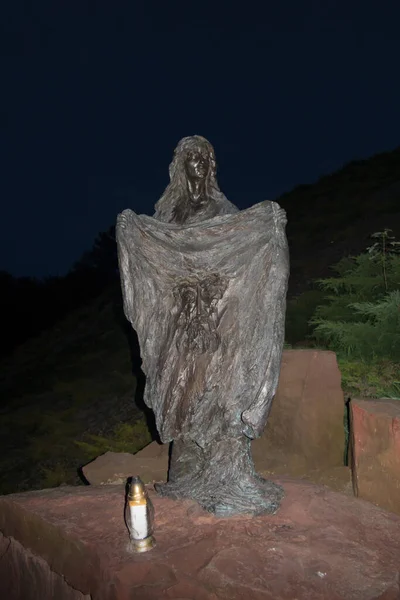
{"points": [[360, 316], [377, 335]]}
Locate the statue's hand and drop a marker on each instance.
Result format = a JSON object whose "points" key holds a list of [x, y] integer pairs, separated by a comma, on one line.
{"points": [[248, 431], [122, 220], [281, 216], [253, 423]]}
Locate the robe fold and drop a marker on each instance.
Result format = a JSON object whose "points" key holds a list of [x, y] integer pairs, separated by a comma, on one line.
{"points": [[207, 301]]}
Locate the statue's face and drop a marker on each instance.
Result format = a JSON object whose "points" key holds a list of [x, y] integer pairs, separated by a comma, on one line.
{"points": [[197, 164]]}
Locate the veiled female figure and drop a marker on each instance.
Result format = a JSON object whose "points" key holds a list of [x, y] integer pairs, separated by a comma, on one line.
{"points": [[204, 286]]}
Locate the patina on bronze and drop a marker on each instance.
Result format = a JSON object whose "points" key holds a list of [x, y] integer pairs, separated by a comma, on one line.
{"points": [[204, 286]]}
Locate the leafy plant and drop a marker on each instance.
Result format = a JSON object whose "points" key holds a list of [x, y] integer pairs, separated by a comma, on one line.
{"points": [[361, 314], [376, 336], [385, 245]]}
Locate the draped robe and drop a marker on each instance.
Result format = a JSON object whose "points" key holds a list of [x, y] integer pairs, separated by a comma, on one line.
{"points": [[207, 301]]}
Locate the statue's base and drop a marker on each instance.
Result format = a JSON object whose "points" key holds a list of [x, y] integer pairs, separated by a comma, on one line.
{"points": [[70, 543], [251, 495], [220, 476]]}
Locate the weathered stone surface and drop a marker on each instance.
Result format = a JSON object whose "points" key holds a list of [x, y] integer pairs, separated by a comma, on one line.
{"points": [[321, 545], [114, 467], [154, 450], [305, 428], [375, 451], [25, 576]]}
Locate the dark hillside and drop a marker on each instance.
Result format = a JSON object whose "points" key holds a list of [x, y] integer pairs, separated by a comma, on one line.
{"points": [[69, 395], [335, 216]]}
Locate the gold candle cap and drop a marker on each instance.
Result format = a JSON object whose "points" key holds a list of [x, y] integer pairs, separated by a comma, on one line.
{"points": [[136, 489], [142, 545]]}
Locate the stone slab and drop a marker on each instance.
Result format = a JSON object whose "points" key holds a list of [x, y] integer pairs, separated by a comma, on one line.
{"points": [[305, 429], [375, 451], [321, 545], [151, 464]]}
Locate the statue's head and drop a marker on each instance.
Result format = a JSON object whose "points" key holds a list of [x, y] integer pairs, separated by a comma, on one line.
{"points": [[194, 160]]}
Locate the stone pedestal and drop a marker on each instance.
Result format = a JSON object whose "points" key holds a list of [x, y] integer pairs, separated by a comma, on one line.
{"points": [[71, 544]]}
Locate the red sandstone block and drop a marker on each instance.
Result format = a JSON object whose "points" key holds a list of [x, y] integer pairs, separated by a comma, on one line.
{"points": [[305, 428], [71, 544], [375, 451]]}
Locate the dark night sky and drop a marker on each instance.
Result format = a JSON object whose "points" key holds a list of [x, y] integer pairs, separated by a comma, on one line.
{"points": [[96, 95]]}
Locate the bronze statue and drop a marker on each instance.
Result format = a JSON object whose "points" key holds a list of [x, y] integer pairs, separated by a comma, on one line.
{"points": [[204, 286]]}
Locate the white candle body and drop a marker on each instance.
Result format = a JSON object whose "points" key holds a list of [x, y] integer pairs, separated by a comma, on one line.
{"points": [[140, 529]]}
